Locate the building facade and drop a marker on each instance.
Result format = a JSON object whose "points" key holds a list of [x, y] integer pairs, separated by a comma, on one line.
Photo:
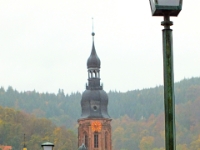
{"points": [[94, 129]]}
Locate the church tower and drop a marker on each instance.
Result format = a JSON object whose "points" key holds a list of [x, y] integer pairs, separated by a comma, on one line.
{"points": [[94, 129]]}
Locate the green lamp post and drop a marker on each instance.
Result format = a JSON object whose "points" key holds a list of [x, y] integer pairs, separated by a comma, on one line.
{"points": [[47, 146], [167, 8]]}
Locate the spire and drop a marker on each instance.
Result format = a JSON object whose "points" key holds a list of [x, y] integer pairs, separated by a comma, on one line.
{"points": [[93, 60], [94, 100], [93, 34]]}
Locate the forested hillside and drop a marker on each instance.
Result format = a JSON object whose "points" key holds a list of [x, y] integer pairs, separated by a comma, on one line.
{"points": [[135, 104], [14, 124], [137, 115]]}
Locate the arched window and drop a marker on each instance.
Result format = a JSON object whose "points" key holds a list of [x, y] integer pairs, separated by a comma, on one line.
{"points": [[86, 139], [96, 140], [91, 75], [106, 140], [94, 74]]}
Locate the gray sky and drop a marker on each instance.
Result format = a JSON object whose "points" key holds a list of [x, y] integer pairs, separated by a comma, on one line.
{"points": [[45, 44]]}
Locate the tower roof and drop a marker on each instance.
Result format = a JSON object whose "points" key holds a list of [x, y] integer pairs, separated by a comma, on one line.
{"points": [[94, 104], [93, 61], [94, 100]]}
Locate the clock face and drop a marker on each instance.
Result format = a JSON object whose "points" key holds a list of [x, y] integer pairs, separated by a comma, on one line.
{"points": [[96, 126]]}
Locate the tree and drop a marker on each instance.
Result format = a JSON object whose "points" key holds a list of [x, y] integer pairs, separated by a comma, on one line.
{"points": [[146, 143]]}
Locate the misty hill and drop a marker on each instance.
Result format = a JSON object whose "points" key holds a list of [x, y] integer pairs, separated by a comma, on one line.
{"points": [[138, 115], [143, 103], [135, 104]]}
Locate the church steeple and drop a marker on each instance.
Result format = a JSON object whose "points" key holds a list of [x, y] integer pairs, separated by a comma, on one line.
{"points": [[94, 100], [94, 124]]}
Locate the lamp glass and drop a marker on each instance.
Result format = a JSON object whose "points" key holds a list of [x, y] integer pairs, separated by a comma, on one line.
{"points": [[48, 147], [167, 2], [162, 7]]}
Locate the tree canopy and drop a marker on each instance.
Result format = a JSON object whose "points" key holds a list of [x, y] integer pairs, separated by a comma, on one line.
{"points": [[138, 117]]}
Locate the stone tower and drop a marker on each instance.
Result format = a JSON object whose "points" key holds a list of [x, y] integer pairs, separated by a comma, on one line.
{"points": [[94, 129]]}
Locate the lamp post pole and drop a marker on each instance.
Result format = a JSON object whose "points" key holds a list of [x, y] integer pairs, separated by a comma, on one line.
{"points": [[169, 99], [168, 8]]}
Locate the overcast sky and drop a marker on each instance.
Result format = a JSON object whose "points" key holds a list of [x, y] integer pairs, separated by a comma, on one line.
{"points": [[45, 44]]}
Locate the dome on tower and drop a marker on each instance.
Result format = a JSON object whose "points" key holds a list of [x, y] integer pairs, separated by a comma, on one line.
{"points": [[93, 61], [94, 104]]}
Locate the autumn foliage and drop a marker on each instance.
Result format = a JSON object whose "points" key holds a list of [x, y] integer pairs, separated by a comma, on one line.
{"points": [[138, 118], [13, 125]]}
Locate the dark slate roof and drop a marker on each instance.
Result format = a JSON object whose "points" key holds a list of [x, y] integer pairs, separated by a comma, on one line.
{"points": [[94, 104], [94, 100], [93, 61]]}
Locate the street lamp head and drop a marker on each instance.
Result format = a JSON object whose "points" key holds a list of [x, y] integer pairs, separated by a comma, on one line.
{"points": [[165, 7], [47, 146]]}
